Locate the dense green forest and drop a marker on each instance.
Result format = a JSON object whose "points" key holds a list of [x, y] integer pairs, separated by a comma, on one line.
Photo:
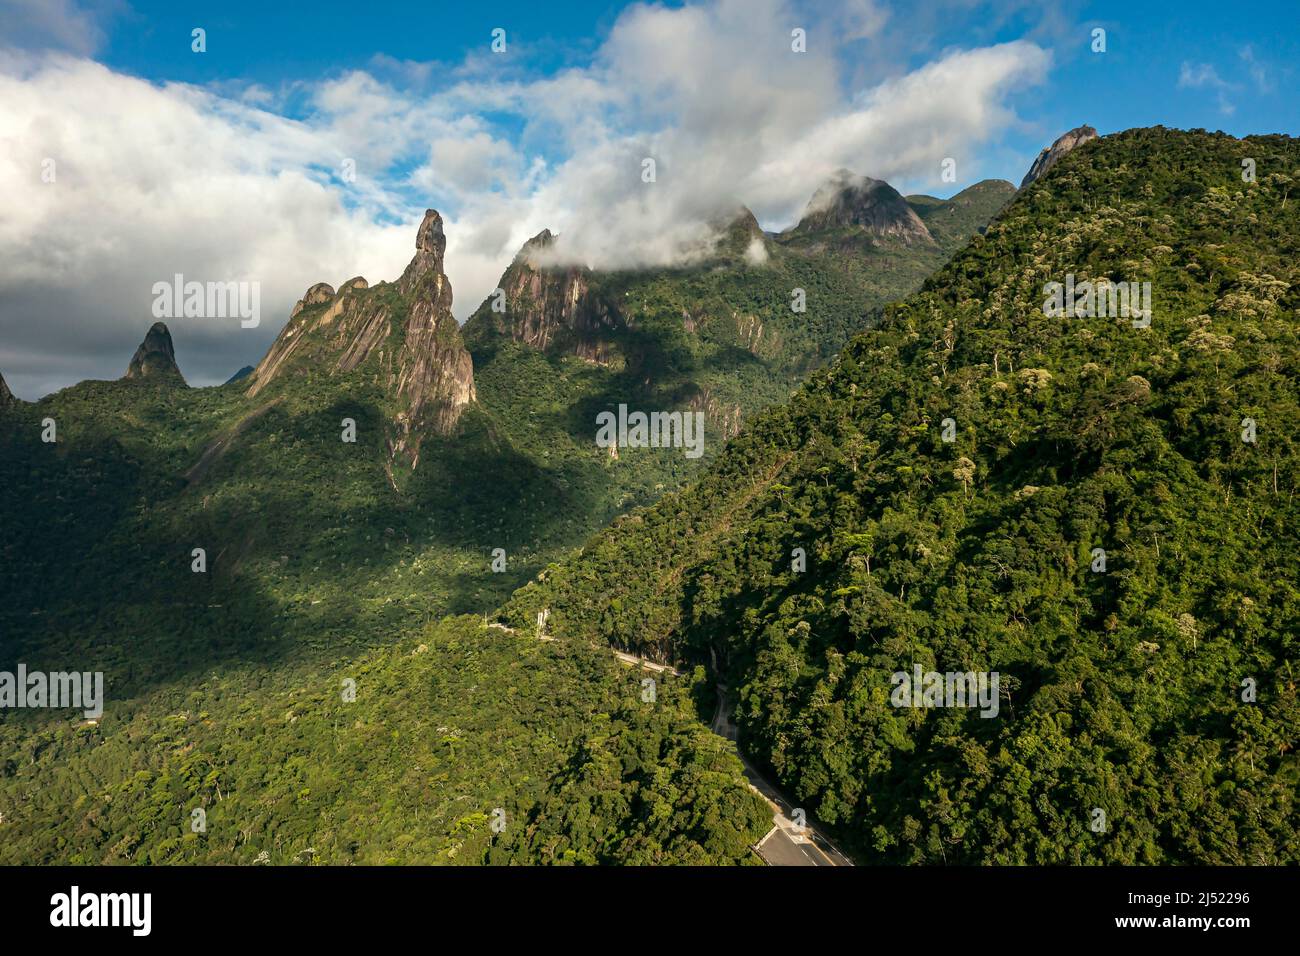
{"points": [[448, 732], [937, 496], [320, 557], [1149, 709]]}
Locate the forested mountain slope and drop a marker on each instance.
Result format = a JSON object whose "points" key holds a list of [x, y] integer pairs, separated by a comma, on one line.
{"points": [[227, 555], [457, 744], [1148, 702]]}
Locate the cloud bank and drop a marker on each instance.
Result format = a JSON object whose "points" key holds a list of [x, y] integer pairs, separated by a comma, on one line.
{"points": [[230, 183]]}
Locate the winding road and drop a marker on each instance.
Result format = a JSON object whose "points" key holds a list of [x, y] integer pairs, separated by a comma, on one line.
{"points": [[791, 841]]}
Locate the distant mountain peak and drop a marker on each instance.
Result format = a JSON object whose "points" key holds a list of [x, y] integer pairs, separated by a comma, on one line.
{"points": [[997, 186], [740, 218], [6, 397], [530, 252], [1052, 154], [244, 372], [847, 199], [156, 357], [548, 306]]}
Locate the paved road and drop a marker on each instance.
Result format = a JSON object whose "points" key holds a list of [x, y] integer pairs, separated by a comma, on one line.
{"points": [[787, 843], [646, 664]]}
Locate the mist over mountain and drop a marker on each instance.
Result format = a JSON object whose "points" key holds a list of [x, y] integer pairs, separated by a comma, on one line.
{"points": [[849, 200]]}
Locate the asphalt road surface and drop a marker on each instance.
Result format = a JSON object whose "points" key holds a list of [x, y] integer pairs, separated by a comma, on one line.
{"points": [[789, 842]]}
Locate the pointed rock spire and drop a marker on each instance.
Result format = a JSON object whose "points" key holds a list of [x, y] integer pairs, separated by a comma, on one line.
{"points": [[430, 245], [155, 358], [435, 374], [6, 397]]}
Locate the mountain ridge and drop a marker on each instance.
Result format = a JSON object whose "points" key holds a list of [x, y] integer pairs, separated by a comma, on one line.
{"points": [[842, 538], [404, 330]]}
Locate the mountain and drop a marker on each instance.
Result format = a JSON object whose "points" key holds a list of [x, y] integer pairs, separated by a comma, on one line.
{"points": [[1102, 514], [229, 557], [402, 335], [244, 372], [952, 222], [550, 309], [6, 396], [849, 200], [721, 335], [155, 359], [1052, 154]]}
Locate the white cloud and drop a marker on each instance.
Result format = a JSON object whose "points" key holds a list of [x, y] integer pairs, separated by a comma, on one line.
{"points": [[1259, 72], [1197, 76], [52, 24], [860, 19], [149, 182], [731, 114], [214, 183]]}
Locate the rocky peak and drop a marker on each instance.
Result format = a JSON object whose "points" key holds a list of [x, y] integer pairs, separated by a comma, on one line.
{"points": [[155, 358], [430, 245], [850, 200], [539, 241], [740, 235], [6, 396], [549, 307], [414, 349], [435, 374], [1049, 157], [320, 292], [739, 220]]}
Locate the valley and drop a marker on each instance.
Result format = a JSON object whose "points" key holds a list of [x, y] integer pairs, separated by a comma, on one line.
{"points": [[352, 678], [321, 555]]}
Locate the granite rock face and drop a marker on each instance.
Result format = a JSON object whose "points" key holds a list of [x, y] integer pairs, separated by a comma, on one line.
{"points": [[155, 358], [1050, 156], [551, 307], [434, 372], [403, 333]]}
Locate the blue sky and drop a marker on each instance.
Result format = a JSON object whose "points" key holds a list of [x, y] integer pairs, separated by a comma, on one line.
{"points": [[233, 163], [1252, 49]]}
